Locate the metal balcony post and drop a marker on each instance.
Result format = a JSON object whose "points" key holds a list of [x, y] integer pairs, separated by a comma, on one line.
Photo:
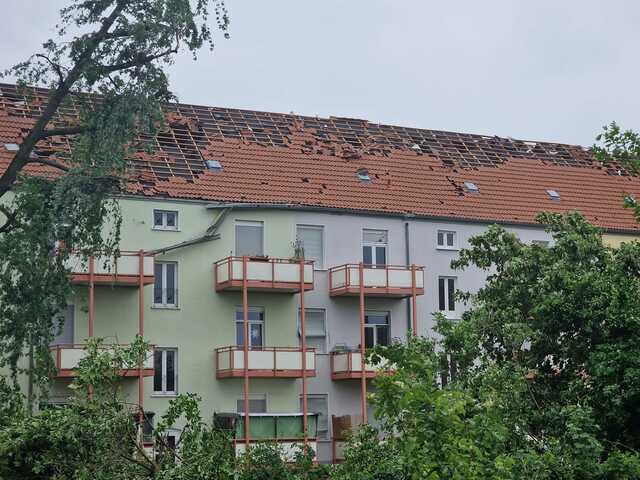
{"points": [[141, 330], [305, 425], [414, 313], [245, 320], [363, 379]]}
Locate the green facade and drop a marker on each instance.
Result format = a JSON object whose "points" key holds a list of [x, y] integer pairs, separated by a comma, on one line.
{"points": [[204, 319]]}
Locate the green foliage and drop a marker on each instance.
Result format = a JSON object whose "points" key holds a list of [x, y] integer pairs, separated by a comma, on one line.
{"points": [[115, 50], [621, 149]]}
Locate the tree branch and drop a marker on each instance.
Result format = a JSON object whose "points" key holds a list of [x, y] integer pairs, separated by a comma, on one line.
{"points": [[52, 132], [10, 221], [139, 60], [51, 163], [21, 158], [56, 67]]}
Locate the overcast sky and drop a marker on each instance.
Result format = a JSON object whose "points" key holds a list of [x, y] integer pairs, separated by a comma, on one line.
{"points": [[537, 69]]}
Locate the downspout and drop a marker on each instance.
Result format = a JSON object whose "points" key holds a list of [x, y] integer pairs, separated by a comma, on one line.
{"points": [[210, 234], [407, 261]]}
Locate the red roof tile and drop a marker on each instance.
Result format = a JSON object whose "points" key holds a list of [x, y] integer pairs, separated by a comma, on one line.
{"points": [[312, 162]]}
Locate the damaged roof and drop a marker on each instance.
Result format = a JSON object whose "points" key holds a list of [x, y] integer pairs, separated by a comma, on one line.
{"points": [[229, 155]]}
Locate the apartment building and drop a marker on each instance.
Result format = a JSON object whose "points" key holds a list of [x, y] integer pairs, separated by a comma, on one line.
{"points": [[263, 253]]}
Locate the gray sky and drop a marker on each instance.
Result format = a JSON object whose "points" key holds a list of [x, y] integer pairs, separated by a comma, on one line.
{"points": [[537, 69]]}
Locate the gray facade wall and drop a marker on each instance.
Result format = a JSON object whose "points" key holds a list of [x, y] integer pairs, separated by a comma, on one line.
{"points": [[343, 244]]}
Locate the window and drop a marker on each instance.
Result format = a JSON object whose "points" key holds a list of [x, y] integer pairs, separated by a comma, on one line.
{"points": [[376, 329], [256, 327], [446, 294], [471, 187], [147, 426], [165, 288], [363, 175], [311, 239], [315, 329], [553, 195], [249, 238], [63, 328], [165, 220], [319, 403], [165, 376], [257, 403], [447, 239], [374, 247]]}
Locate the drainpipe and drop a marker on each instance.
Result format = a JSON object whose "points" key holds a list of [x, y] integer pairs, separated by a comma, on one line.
{"points": [[408, 262]]}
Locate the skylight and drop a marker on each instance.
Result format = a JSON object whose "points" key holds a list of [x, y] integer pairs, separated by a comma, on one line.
{"points": [[553, 195], [363, 175], [213, 165], [12, 147], [471, 187]]}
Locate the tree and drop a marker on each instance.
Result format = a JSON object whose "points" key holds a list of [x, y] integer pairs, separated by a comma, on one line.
{"points": [[620, 148], [97, 435], [107, 68]]}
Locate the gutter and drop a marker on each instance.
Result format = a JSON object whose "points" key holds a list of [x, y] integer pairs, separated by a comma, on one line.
{"points": [[376, 213], [210, 234]]}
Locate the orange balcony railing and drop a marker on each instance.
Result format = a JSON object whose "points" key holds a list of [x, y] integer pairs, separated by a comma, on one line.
{"points": [[346, 365], [123, 270], [67, 358], [263, 274], [378, 280], [265, 362]]}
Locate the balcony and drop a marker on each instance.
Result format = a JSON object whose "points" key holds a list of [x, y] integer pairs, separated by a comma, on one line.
{"points": [[263, 274], [120, 271], [284, 429], [266, 362], [67, 358], [346, 365], [395, 281]]}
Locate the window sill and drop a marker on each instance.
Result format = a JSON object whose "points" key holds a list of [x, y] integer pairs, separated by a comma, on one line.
{"points": [[165, 307], [163, 395], [160, 229], [451, 249]]}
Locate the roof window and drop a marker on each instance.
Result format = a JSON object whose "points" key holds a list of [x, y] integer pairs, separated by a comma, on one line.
{"points": [[213, 165], [12, 147], [363, 175], [471, 187], [553, 195]]}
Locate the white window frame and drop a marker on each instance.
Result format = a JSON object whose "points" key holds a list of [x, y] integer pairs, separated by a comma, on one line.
{"points": [[164, 303], [326, 330], [446, 312], [164, 392], [248, 223], [164, 226], [373, 246], [327, 432], [444, 245], [253, 396], [322, 231], [374, 326], [263, 323]]}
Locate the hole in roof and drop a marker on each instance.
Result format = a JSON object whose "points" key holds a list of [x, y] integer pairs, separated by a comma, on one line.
{"points": [[363, 175], [553, 194], [213, 165], [471, 187]]}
